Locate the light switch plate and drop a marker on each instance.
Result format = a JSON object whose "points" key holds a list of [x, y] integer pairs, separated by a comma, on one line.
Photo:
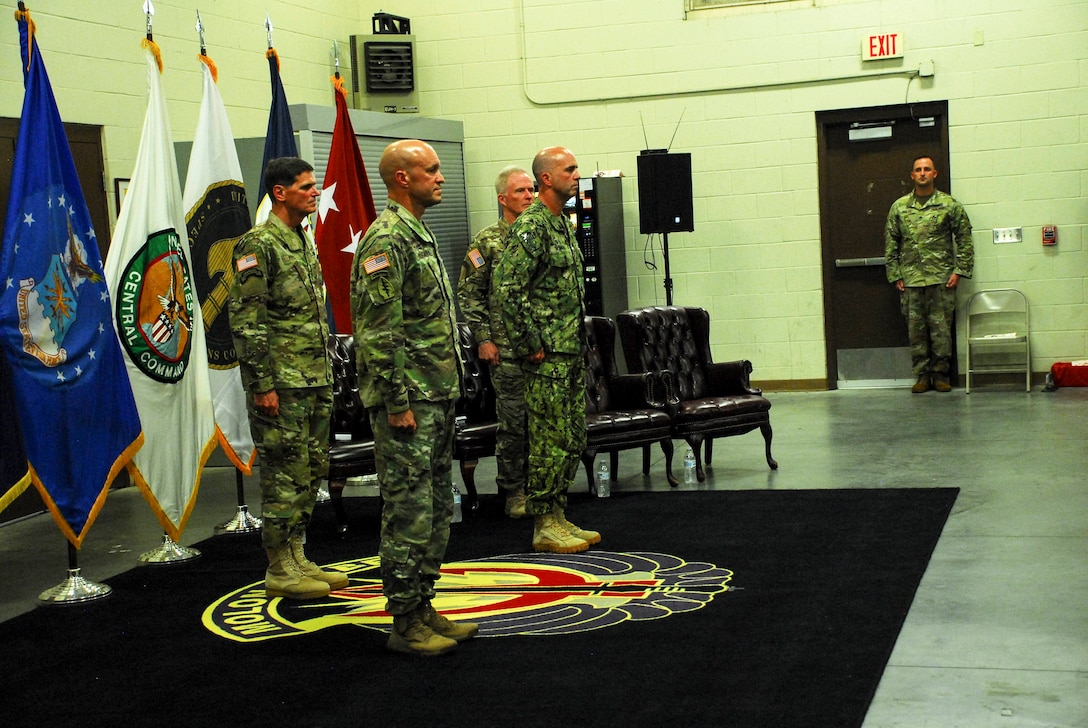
{"points": [[1008, 235]]}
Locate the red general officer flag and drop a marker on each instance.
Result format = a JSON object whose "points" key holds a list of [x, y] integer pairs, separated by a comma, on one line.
{"points": [[345, 212]]}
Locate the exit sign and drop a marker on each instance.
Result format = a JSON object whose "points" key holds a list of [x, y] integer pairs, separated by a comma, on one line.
{"points": [[879, 46]]}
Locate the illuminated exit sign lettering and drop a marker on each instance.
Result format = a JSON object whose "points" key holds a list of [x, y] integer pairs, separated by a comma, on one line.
{"points": [[879, 46]]}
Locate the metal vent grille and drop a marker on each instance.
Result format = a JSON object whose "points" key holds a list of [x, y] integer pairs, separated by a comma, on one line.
{"points": [[388, 67]]}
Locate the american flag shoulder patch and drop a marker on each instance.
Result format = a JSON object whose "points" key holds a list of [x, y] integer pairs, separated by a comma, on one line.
{"points": [[475, 258], [246, 262], [375, 263]]}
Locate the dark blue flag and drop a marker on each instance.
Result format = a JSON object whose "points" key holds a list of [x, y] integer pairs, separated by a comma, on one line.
{"points": [[279, 140], [78, 415]]}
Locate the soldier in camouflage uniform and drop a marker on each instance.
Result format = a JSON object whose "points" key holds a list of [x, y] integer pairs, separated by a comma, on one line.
{"points": [[514, 188], [280, 329], [402, 311], [928, 248], [538, 286]]}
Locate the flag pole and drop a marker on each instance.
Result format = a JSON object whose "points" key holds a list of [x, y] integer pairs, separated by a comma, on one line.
{"points": [[169, 551], [75, 589], [243, 521]]}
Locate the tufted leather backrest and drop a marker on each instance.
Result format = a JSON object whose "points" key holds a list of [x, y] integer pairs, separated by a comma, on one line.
{"points": [[600, 363], [348, 412], [675, 338], [477, 401]]}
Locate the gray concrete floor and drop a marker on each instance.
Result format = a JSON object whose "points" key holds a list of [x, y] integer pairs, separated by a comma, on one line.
{"points": [[998, 632]]}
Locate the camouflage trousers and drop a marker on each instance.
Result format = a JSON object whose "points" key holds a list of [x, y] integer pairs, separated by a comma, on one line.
{"points": [[416, 482], [555, 400], [294, 457], [929, 311], [511, 441]]}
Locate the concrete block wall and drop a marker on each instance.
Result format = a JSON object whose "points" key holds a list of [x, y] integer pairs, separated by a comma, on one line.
{"points": [[610, 77]]}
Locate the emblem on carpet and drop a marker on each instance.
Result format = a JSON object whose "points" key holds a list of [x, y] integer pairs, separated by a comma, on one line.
{"points": [[521, 594]]}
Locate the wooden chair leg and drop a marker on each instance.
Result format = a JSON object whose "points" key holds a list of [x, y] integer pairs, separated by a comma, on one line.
{"points": [[645, 459], [767, 434], [336, 493], [667, 448], [468, 474]]}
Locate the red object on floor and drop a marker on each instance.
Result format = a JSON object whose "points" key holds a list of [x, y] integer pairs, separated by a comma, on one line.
{"points": [[1070, 374]]}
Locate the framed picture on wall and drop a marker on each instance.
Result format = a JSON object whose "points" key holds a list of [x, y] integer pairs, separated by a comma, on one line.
{"points": [[120, 189]]}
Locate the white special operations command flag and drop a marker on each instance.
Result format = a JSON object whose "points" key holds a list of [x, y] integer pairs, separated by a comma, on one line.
{"points": [[159, 322], [217, 215]]}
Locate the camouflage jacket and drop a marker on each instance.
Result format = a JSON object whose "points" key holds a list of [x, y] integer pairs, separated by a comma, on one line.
{"points": [[402, 315], [474, 286], [539, 286], [926, 243], [277, 309]]}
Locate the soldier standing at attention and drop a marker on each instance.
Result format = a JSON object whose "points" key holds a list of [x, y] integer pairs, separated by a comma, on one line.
{"points": [[538, 287], [279, 326], [514, 187], [406, 356], [928, 248]]}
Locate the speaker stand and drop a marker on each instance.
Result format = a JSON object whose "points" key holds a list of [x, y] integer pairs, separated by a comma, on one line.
{"points": [[668, 272]]}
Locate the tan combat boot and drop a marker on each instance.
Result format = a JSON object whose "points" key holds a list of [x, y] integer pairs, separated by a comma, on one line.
{"points": [[456, 631], [550, 535], [284, 578], [335, 579], [922, 385], [590, 537], [941, 383], [515, 503], [412, 636]]}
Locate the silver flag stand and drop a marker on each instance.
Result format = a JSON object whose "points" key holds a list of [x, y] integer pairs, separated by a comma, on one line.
{"points": [[169, 552], [75, 589], [243, 521]]}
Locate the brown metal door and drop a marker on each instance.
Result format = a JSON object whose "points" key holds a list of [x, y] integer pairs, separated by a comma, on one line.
{"points": [[864, 160]]}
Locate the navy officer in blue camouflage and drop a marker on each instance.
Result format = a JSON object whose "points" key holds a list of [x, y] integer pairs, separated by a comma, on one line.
{"points": [[538, 285]]}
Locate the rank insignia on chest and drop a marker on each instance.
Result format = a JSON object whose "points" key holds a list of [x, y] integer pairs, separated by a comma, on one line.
{"points": [[375, 263], [245, 263], [475, 258]]}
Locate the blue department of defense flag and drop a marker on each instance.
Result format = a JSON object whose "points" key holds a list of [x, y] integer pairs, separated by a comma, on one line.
{"points": [[217, 215], [159, 322], [79, 422], [279, 139]]}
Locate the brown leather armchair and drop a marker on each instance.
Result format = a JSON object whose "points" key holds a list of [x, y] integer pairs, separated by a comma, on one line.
{"points": [[622, 411], [715, 399]]}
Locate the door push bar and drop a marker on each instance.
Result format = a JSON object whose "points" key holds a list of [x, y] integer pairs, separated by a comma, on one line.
{"points": [[859, 262]]}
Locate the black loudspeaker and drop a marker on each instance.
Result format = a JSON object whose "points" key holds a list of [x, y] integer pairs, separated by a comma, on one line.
{"points": [[664, 193]]}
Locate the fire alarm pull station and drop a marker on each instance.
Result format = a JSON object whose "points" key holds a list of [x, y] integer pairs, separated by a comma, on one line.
{"points": [[1050, 235]]}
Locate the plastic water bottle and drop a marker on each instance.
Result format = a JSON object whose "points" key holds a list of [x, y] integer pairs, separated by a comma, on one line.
{"points": [[456, 505], [604, 480], [689, 467]]}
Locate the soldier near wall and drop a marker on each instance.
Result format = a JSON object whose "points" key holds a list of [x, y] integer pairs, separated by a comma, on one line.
{"points": [[928, 248]]}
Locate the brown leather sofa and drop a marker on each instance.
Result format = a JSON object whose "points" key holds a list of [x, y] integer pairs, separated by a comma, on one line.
{"points": [[714, 399]]}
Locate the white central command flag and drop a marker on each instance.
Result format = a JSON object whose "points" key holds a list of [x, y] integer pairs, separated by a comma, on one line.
{"points": [[159, 322], [217, 216]]}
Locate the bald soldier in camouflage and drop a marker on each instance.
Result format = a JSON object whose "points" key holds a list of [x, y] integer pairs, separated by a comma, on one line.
{"points": [[402, 311], [928, 248], [538, 286], [280, 329], [514, 188]]}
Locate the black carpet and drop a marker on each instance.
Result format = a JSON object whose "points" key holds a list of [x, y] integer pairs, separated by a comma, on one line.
{"points": [[821, 583]]}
